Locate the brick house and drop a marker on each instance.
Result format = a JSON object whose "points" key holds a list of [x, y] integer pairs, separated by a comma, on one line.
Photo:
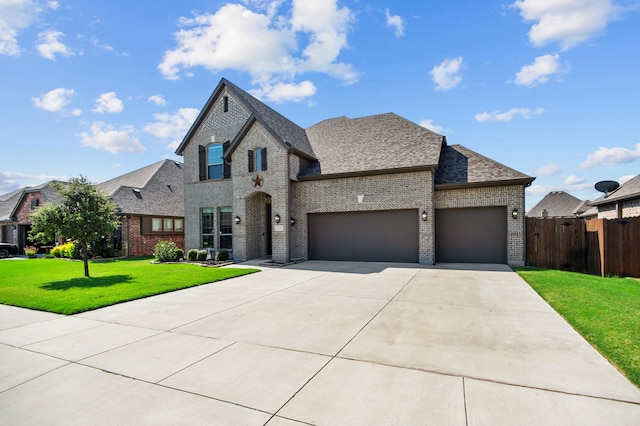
{"points": [[622, 203], [15, 211], [150, 204], [377, 188]]}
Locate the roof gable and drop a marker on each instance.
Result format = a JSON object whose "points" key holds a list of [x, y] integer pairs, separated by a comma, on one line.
{"points": [[286, 132], [460, 166], [376, 143]]}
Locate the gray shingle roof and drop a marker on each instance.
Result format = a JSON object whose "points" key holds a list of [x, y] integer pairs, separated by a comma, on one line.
{"points": [[157, 189], [628, 190], [10, 202], [557, 204], [371, 144], [461, 166]]}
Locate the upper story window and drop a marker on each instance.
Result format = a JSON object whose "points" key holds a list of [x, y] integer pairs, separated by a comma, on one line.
{"points": [[212, 165], [215, 165], [225, 104], [258, 160]]}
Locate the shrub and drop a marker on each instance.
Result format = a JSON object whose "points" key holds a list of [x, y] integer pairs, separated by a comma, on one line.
{"points": [[202, 255], [192, 255], [222, 255], [56, 252], [108, 252], [166, 251], [179, 254], [30, 251], [69, 250]]}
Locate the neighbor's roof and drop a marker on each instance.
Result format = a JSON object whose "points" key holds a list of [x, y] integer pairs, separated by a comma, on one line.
{"points": [[628, 190], [376, 143], [557, 204], [10, 202], [157, 189], [460, 166]]}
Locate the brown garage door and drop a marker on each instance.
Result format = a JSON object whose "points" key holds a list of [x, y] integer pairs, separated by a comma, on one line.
{"points": [[474, 235], [375, 236]]}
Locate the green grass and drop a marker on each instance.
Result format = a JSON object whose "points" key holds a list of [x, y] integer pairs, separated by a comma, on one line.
{"points": [[606, 311], [59, 286]]}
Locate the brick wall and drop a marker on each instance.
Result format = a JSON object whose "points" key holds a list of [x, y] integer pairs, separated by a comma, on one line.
{"points": [[379, 192], [511, 196], [135, 244], [631, 208]]}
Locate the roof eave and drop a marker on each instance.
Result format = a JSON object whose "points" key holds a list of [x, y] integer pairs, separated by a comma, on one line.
{"points": [[507, 182], [615, 200]]}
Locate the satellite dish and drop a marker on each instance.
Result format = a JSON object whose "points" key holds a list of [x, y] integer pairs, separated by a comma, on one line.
{"points": [[607, 186]]}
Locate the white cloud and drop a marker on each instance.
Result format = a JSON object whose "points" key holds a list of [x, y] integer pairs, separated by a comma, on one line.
{"points": [[611, 156], [508, 115], [54, 100], [573, 180], [446, 75], [10, 181], [105, 136], [625, 178], [549, 170], [281, 92], [575, 183], [53, 5], [273, 49], [15, 15], [429, 124], [49, 45], [172, 127], [396, 22], [566, 22], [158, 100], [539, 72], [108, 102]]}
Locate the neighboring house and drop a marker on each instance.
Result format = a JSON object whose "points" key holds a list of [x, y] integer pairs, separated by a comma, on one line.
{"points": [[15, 211], [559, 204], [378, 188], [621, 203], [150, 204]]}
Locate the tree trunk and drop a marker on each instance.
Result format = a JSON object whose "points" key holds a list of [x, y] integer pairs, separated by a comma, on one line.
{"points": [[85, 258]]}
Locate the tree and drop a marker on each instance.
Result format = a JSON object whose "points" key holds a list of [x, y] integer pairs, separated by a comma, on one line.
{"points": [[84, 215]]}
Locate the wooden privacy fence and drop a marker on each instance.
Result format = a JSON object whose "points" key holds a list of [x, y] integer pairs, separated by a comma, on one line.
{"points": [[599, 246]]}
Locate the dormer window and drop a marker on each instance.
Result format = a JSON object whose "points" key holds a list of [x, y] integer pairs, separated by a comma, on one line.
{"points": [[257, 160]]}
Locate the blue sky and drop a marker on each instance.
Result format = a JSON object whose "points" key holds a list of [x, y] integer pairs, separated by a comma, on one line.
{"points": [[548, 87]]}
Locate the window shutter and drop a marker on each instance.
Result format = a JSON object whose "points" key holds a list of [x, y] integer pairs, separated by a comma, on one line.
{"points": [[227, 163], [263, 152], [250, 161], [202, 161]]}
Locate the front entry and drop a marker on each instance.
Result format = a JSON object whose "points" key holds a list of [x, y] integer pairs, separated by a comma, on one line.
{"points": [[258, 226]]}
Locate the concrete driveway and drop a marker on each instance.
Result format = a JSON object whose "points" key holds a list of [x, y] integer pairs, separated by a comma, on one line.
{"points": [[315, 343]]}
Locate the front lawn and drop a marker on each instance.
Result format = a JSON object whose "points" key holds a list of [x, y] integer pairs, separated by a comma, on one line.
{"points": [[606, 311], [59, 286]]}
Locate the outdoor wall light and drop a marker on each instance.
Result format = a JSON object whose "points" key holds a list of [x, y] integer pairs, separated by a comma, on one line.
{"points": [[237, 220], [514, 214], [277, 218], [293, 221], [424, 215]]}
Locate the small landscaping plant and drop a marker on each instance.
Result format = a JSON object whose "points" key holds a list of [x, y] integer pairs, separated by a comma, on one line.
{"points": [[222, 255], [192, 255], [30, 251], [167, 251], [202, 255]]}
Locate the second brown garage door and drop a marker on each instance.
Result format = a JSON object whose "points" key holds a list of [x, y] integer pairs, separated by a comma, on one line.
{"points": [[373, 236], [473, 235]]}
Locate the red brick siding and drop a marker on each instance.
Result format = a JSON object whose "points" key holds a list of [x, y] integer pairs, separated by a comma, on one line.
{"points": [[134, 244]]}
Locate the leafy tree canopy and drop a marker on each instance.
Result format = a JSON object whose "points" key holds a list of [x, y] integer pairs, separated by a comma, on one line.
{"points": [[83, 214]]}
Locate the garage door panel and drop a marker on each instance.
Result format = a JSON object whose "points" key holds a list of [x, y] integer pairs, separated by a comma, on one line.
{"points": [[471, 235], [377, 236]]}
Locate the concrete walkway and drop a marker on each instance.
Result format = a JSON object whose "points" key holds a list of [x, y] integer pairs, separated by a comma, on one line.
{"points": [[314, 343]]}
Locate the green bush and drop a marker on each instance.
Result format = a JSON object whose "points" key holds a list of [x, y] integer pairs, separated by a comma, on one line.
{"points": [[68, 250], [166, 251], [179, 254], [192, 255], [202, 255], [222, 255]]}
